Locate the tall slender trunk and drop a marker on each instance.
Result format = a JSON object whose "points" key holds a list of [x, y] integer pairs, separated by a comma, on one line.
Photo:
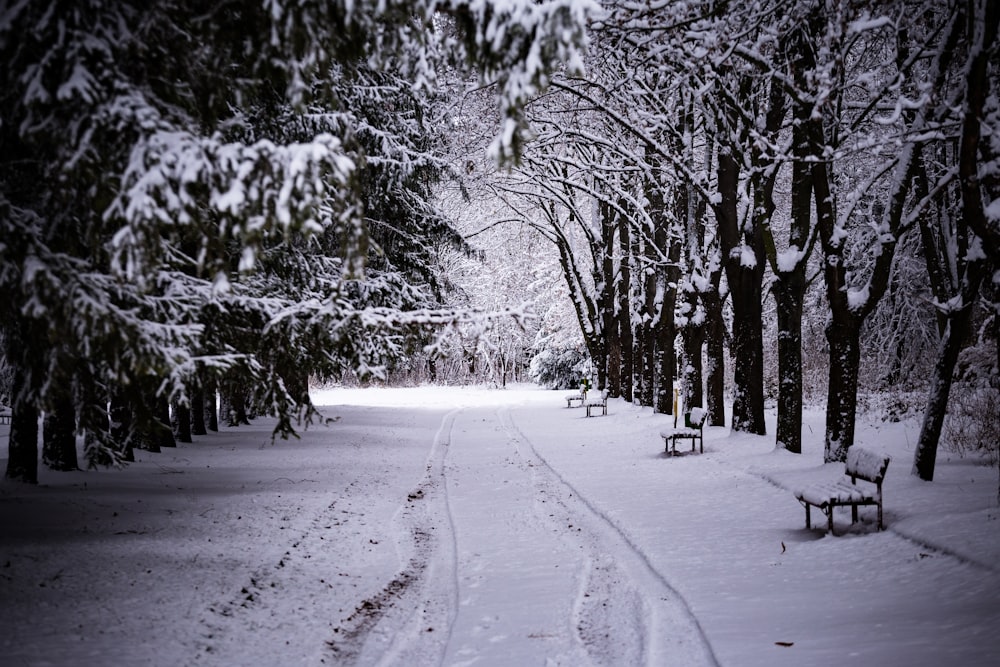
{"points": [[121, 425], [715, 349], [955, 333], [789, 291], [745, 279], [666, 360], [844, 337], [181, 421], [59, 434], [648, 360], [22, 457], [607, 303], [694, 338], [211, 405], [624, 324], [164, 430], [198, 411]]}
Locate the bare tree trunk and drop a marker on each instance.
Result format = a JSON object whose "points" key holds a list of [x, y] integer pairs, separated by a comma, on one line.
{"points": [[715, 348], [624, 323], [59, 435], [121, 425], [694, 337], [844, 338], [789, 291], [165, 432], [745, 284], [954, 337], [211, 405], [22, 461], [198, 411], [181, 422]]}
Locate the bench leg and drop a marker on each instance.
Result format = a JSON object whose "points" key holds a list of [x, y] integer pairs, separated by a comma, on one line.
{"points": [[808, 522], [829, 516], [854, 513], [880, 515]]}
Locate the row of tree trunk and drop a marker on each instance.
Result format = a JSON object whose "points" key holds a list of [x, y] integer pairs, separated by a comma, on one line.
{"points": [[134, 418]]}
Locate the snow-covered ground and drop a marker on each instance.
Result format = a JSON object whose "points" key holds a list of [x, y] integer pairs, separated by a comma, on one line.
{"points": [[438, 526]]}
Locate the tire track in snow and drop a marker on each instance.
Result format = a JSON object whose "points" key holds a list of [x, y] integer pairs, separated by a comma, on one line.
{"points": [[304, 570], [627, 612], [409, 621]]}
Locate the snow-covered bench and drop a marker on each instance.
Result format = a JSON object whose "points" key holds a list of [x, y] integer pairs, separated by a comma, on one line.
{"points": [[581, 397], [694, 422], [861, 464], [601, 403], [5, 415]]}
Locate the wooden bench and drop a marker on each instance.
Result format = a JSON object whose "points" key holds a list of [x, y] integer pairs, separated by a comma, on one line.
{"points": [[694, 423], [601, 403], [861, 464], [581, 397], [5, 417]]}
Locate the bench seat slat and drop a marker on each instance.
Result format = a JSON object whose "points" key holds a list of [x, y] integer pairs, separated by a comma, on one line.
{"points": [[680, 432], [838, 492]]}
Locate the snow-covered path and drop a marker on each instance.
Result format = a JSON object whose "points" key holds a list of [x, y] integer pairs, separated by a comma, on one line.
{"points": [[518, 571], [505, 564], [456, 526]]}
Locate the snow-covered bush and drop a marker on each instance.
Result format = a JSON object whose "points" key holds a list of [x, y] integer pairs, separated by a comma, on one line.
{"points": [[972, 426], [559, 369]]}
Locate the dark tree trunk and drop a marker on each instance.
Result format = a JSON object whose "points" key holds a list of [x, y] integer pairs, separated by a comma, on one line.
{"points": [[954, 336], [146, 425], [694, 338], [22, 461], [789, 291], [198, 412], [164, 429], [745, 283], [666, 361], [647, 382], [842, 402], [236, 407], [181, 422], [715, 348], [610, 379], [625, 312], [211, 406], [59, 435], [121, 425], [614, 359]]}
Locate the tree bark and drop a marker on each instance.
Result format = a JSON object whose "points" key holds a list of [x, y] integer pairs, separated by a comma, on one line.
{"points": [[181, 422], [789, 290], [198, 411], [211, 406], [165, 431], [22, 461], [59, 435], [694, 338], [956, 331], [624, 323], [844, 338], [745, 283], [120, 426], [715, 349]]}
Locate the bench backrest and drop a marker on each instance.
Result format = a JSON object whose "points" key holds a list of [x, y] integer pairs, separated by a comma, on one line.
{"points": [[866, 465], [695, 418]]}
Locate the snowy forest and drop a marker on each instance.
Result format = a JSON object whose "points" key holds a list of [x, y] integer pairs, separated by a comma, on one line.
{"points": [[208, 208]]}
